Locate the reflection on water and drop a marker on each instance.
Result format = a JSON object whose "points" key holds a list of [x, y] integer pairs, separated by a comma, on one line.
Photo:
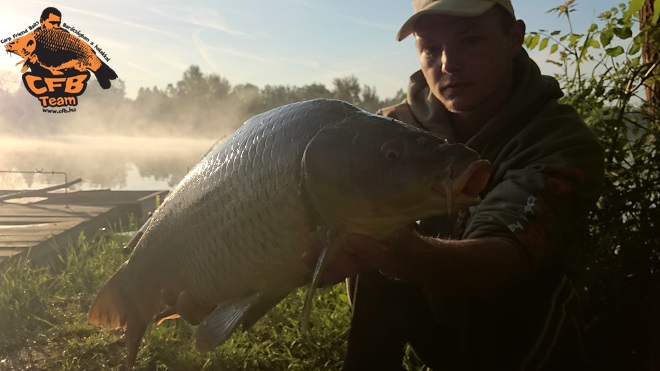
{"points": [[129, 163]]}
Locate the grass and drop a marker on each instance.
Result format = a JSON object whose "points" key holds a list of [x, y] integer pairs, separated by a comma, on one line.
{"points": [[43, 324]]}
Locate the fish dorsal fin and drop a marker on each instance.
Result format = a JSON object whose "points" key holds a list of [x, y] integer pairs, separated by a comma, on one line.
{"points": [[218, 326], [331, 245]]}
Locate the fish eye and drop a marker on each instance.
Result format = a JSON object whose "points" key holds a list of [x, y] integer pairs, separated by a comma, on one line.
{"points": [[391, 150], [392, 155]]}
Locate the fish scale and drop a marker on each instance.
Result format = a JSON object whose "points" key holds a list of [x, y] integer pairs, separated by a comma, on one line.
{"points": [[233, 232], [233, 200]]}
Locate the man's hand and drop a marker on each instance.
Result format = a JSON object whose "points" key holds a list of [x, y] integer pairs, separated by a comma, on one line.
{"points": [[395, 258], [398, 258]]}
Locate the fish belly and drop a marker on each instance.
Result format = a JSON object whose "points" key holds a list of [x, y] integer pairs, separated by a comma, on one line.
{"points": [[237, 224]]}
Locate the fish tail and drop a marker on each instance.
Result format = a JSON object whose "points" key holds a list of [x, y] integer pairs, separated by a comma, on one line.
{"points": [[108, 309], [112, 310], [104, 74]]}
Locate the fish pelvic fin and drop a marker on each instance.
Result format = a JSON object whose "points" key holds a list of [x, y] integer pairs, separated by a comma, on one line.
{"points": [[331, 245], [218, 326]]}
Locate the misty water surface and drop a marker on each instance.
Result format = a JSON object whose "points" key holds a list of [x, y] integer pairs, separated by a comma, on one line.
{"points": [[128, 163]]}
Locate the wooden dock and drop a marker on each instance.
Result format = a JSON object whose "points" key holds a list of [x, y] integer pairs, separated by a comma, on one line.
{"points": [[37, 228]]}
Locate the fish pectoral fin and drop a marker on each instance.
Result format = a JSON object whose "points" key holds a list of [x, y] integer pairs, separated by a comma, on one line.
{"points": [[331, 245], [221, 323]]}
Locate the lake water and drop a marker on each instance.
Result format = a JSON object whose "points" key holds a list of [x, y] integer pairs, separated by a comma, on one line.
{"points": [[118, 163]]}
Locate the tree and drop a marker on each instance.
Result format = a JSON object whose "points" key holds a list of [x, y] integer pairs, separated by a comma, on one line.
{"points": [[193, 85], [651, 46], [313, 91], [347, 89], [245, 92], [370, 101], [399, 97], [244, 102], [276, 95], [218, 87]]}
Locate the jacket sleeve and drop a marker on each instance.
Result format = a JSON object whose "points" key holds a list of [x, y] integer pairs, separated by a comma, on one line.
{"points": [[545, 182]]}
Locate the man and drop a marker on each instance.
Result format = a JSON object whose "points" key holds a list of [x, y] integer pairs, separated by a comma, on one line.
{"points": [[490, 287]]}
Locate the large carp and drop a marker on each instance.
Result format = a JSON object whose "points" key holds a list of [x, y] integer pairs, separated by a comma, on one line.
{"points": [[233, 232]]}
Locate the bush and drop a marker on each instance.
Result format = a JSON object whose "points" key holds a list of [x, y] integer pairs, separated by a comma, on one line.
{"points": [[605, 78]]}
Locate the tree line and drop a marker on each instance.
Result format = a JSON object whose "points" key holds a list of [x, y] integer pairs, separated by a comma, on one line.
{"points": [[198, 105]]}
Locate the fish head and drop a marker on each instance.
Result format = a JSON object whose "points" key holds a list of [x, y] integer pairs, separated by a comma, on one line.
{"points": [[374, 175], [23, 46]]}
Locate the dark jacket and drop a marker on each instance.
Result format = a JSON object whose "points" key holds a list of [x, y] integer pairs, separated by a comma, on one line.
{"points": [[547, 174]]}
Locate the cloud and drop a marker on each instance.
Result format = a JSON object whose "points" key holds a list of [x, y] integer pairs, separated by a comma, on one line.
{"points": [[202, 17], [144, 70], [212, 21], [202, 49], [370, 23], [271, 59], [109, 20]]}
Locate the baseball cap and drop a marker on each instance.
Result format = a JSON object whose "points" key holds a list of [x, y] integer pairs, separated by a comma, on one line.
{"points": [[458, 8]]}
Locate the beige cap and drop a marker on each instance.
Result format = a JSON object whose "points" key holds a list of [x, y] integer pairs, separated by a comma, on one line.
{"points": [[458, 8]]}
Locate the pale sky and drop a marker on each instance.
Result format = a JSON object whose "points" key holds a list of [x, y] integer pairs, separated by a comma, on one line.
{"points": [[276, 42]]}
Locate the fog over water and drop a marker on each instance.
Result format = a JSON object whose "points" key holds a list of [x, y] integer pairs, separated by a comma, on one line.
{"points": [[130, 163], [147, 142], [109, 141]]}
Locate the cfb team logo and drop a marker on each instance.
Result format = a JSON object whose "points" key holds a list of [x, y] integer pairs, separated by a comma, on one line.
{"points": [[59, 62]]}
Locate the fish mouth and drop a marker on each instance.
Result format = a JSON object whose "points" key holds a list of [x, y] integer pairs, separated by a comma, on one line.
{"points": [[463, 187]]}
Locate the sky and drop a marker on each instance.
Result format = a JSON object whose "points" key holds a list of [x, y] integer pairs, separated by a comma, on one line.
{"points": [[262, 42]]}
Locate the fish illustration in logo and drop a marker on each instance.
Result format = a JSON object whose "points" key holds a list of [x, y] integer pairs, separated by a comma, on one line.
{"points": [[57, 51]]}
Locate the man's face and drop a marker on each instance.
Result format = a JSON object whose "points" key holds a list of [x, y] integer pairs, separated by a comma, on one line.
{"points": [[52, 21], [468, 62]]}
